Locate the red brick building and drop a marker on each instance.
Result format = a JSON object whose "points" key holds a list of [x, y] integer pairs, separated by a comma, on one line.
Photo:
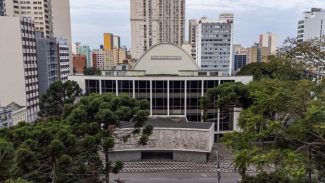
{"points": [[79, 63]]}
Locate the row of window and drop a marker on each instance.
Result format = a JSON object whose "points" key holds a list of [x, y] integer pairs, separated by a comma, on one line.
{"points": [[174, 98]]}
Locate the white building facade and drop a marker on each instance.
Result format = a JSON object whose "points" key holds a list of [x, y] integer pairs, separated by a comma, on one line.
{"points": [[312, 25], [214, 44], [18, 70]]}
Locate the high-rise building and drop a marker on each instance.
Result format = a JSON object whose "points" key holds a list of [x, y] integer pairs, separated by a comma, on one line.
{"points": [[47, 62], [214, 44], [63, 59], [108, 41], [79, 63], [240, 58], [39, 11], [52, 61], [75, 48], [192, 37], [18, 69], [61, 24], [98, 59], [156, 21], [312, 25], [270, 41], [52, 17], [85, 50], [116, 42], [256, 53]]}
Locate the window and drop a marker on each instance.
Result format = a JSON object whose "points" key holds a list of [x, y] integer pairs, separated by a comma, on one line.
{"points": [[109, 86], [176, 97], [159, 97], [92, 86], [125, 88]]}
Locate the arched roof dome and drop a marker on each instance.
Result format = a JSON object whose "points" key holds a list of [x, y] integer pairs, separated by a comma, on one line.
{"points": [[165, 59]]}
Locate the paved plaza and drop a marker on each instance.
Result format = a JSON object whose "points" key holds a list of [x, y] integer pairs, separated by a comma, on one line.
{"points": [[225, 160]]}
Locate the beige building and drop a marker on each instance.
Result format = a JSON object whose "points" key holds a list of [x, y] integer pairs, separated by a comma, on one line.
{"points": [[18, 69], [192, 37], [61, 24], [269, 41], [52, 17], [37, 10], [258, 54], [156, 21]]}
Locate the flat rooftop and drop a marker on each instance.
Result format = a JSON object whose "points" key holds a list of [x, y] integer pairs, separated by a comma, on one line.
{"points": [[170, 122]]}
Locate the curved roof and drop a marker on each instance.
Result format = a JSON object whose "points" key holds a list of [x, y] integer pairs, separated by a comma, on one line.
{"points": [[165, 59]]}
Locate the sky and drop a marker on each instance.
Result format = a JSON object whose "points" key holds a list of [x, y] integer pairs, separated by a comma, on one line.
{"points": [[91, 18]]}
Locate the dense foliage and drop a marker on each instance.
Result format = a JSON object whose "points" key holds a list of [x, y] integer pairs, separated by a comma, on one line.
{"points": [[283, 119], [276, 68], [58, 95], [74, 148], [91, 71]]}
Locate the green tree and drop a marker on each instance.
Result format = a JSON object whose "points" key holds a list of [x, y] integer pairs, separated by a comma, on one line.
{"points": [[57, 96], [19, 180], [91, 71], [282, 127], [277, 68], [6, 159], [108, 111]]}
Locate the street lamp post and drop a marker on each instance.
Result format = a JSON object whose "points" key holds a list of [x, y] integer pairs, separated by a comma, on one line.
{"points": [[218, 168]]}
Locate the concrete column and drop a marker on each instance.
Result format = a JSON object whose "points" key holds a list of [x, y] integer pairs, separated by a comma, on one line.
{"points": [[133, 89], [151, 98], [100, 87], [185, 98], [168, 112], [202, 95], [218, 119], [116, 81]]}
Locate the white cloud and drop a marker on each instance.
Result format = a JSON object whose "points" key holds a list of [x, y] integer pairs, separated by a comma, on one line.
{"points": [[253, 5], [86, 7]]}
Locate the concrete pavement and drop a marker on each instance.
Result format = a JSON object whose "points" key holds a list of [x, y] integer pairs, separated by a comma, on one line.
{"points": [[176, 177]]}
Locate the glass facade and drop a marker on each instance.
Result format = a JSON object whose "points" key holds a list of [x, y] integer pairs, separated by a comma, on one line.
{"points": [[240, 61], [176, 97], [125, 87], [173, 97], [109, 86], [159, 98], [142, 90], [194, 94], [92, 86]]}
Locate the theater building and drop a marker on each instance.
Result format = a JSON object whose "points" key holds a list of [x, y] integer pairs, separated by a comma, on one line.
{"points": [[171, 81]]}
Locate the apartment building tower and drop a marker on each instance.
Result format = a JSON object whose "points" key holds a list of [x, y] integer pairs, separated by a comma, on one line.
{"points": [[85, 50], [269, 41], [156, 21], [52, 17], [312, 25], [38, 10], [192, 37], [214, 44], [18, 70]]}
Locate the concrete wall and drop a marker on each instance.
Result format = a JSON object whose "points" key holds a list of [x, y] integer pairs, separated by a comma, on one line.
{"points": [[177, 156], [12, 78], [170, 139], [190, 156], [125, 156]]}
